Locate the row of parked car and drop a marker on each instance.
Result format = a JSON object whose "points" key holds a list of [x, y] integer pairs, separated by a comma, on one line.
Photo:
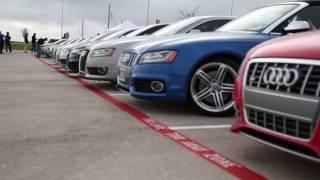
{"points": [[198, 60]]}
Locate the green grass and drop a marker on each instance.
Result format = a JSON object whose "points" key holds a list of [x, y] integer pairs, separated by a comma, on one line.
{"points": [[20, 46]]}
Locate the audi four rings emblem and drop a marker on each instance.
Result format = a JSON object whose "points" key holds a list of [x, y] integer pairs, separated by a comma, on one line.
{"points": [[281, 76]]}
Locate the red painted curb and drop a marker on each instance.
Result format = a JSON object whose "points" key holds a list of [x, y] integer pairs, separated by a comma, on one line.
{"points": [[210, 155]]}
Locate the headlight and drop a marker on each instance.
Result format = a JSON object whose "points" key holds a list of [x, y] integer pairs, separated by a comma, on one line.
{"points": [[158, 57], [103, 52], [66, 51], [76, 51]]}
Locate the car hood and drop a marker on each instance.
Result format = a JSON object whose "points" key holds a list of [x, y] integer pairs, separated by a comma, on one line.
{"points": [[176, 40], [302, 45], [84, 45], [120, 41], [70, 46]]}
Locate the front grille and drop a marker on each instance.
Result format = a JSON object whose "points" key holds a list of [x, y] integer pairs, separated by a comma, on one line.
{"points": [[73, 66], [280, 124], [62, 61], [74, 57], [83, 60], [127, 59], [308, 82]]}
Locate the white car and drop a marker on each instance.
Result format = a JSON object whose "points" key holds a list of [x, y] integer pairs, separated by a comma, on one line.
{"points": [[47, 48], [65, 50], [56, 47], [141, 33], [72, 61]]}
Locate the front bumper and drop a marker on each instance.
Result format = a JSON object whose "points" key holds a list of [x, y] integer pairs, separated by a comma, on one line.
{"points": [[306, 149], [286, 120], [137, 79], [100, 68]]}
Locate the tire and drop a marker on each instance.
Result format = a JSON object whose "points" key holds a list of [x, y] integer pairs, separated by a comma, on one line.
{"points": [[211, 86]]}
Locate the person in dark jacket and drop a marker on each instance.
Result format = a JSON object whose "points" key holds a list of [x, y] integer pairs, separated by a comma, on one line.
{"points": [[26, 42], [34, 42], [8, 42], [40, 42], [1, 42]]}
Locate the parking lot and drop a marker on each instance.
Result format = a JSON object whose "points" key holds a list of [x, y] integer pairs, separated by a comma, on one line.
{"points": [[56, 126]]}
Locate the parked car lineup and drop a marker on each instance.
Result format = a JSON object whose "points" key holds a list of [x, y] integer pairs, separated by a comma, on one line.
{"points": [[157, 69], [72, 62], [99, 65], [197, 60]]}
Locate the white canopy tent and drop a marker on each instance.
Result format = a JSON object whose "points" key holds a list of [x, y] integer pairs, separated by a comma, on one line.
{"points": [[127, 24]]}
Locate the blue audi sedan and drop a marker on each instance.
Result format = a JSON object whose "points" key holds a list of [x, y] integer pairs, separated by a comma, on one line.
{"points": [[202, 68]]}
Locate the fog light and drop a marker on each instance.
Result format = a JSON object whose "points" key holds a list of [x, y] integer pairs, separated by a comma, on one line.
{"points": [[102, 71], [157, 86]]}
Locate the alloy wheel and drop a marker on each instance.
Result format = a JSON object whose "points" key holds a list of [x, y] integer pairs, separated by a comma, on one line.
{"points": [[212, 87]]}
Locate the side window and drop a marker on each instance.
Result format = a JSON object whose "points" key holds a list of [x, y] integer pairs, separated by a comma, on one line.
{"points": [[210, 26], [309, 14]]}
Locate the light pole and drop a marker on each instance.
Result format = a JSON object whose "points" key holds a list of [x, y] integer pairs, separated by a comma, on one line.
{"points": [[232, 7], [148, 11], [62, 1], [109, 15]]}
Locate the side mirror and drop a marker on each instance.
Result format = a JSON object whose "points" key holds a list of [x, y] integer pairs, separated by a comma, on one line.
{"points": [[193, 31], [297, 26]]}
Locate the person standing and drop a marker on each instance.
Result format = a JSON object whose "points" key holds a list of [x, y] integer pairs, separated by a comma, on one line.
{"points": [[8, 42], [34, 42], [40, 42], [1, 42], [26, 42]]}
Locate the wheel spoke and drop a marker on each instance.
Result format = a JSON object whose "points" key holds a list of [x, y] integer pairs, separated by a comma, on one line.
{"points": [[221, 74], [204, 77], [227, 88], [203, 94], [218, 100]]}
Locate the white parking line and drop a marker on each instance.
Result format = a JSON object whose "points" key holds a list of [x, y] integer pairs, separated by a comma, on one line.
{"points": [[119, 94], [225, 126]]}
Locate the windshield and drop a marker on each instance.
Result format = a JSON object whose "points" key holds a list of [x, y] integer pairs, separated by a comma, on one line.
{"points": [[101, 36], [136, 32], [65, 42], [70, 42], [60, 41], [175, 27], [259, 19], [117, 34]]}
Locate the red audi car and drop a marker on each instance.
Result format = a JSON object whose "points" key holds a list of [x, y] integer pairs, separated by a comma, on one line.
{"points": [[277, 94]]}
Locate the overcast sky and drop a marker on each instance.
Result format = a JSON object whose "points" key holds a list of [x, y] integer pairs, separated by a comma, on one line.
{"points": [[44, 16]]}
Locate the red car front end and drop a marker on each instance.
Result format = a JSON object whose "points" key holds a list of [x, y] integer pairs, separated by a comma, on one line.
{"points": [[278, 95]]}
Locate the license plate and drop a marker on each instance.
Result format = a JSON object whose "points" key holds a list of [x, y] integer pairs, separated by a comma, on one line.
{"points": [[122, 74]]}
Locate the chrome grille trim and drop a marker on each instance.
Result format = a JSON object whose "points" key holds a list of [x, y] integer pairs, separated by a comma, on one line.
{"points": [[279, 123], [307, 83], [130, 62], [306, 80], [299, 63]]}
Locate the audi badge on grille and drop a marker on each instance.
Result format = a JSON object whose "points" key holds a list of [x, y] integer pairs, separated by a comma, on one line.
{"points": [[281, 76]]}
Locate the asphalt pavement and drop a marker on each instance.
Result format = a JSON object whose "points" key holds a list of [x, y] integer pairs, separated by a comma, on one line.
{"points": [[55, 127]]}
